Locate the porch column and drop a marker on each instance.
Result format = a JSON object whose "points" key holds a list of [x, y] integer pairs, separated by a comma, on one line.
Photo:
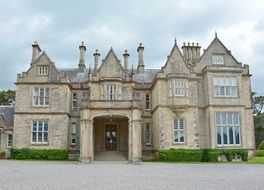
{"points": [[134, 137], [86, 141]]}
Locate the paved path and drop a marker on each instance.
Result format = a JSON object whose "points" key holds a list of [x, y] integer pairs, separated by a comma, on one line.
{"points": [[27, 175]]}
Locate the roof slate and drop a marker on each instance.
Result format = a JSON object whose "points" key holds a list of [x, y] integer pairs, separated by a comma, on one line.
{"points": [[7, 113]]}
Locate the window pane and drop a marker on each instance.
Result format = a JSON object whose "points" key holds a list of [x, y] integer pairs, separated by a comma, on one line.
{"points": [[45, 137], [219, 140], [225, 135], [45, 126], [176, 136], [181, 133], [40, 137], [231, 137], [181, 124], [46, 101], [47, 92], [236, 119], [237, 135], [41, 101], [230, 117], [176, 126], [223, 118], [34, 137], [35, 100], [218, 118], [41, 93]]}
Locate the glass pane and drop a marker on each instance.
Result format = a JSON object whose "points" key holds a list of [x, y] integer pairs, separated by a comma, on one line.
{"points": [[41, 101], [39, 137], [34, 137], [41, 92], [236, 119], [45, 137], [47, 92], [225, 135], [234, 91], [46, 101], [181, 136], [219, 140], [181, 124], [176, 136], [222, 90], [45, 126], [36, 92], [36, 100], [237, 135], [230, 117], [223, 118], [231, 137], [218, 118], [176, 126]]}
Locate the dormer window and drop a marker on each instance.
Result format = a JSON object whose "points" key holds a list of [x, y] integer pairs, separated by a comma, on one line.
{"points": [[112, 92], [43, 70], [218, 59]]}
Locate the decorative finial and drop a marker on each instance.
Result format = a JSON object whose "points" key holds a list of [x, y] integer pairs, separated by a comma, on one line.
{"points": [[215, 33], [82, 43], [175, 40]]}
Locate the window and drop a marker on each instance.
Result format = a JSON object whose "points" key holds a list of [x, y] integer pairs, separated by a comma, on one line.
{"points": [[178, 87], [9, 140], [178, 130], [218, 59], [74, 101], [73, 134], [147, 134], [43, 70], [147, 102], [40, 132], [41, 97], [225, 87], [227, 128], [112, 92], [86, 96]]}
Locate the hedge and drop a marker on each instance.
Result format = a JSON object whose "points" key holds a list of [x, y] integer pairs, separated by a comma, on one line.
{"points": [[200, 155], [261, 146], [39, 154], [2, 154], [260, 153]]}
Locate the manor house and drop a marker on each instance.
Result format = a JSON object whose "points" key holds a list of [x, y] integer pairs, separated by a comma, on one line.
{"points": [[193, 101]]}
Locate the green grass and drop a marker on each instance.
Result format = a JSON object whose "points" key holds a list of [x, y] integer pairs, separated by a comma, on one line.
{"points": [[256, 160]]}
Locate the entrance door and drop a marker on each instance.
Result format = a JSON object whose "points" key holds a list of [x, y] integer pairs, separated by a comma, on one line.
{"points": [[110, 137]]}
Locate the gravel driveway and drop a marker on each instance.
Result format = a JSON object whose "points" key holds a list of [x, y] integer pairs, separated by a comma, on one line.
{"points": [[119, 175]]}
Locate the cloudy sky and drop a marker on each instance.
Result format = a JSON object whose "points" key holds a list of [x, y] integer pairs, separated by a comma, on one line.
{"points": [[60, 26]]}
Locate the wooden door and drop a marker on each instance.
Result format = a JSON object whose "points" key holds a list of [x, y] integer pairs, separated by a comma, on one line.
{"points": [[110, 137]]}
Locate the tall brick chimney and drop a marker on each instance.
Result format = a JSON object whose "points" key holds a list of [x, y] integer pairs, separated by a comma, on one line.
{"points": [[141, 66], [81, 65], [35, 51], [96, 59]]}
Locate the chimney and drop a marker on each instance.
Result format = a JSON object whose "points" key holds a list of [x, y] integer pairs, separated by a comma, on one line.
{"points": [[96, 59], [35, 51], [140, 50], [191, 52], [81, 65], [126, 55]]}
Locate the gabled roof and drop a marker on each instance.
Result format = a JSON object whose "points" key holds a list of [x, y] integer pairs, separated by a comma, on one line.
{"points": [[7, 114], [111, 51], [217, 40]]}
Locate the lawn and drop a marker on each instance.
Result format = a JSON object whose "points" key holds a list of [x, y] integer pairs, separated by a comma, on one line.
{"points": [[256, 160]]}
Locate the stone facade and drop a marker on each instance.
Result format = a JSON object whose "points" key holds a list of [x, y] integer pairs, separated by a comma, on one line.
{"points": [[193, 102]]}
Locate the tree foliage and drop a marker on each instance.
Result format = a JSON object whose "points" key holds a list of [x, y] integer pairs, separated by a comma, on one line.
{"points": [[258, 103], [7, 97]]}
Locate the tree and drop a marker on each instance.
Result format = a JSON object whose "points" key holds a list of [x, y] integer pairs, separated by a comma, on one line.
{"points": [[7, 97], [258, 103]]}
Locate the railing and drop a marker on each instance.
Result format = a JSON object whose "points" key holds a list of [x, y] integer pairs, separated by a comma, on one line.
{"points": [[107, 104]]}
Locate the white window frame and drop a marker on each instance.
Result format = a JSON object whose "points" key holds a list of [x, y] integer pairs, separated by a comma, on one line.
{"points": [[225, 87], [41, 96], [226, 121], [218, 59], [112, 92], [178, 87], [178, 129], [74, 100], [9, 140], [43, 70], [147, 101], [40, 128], [73, 133], [148, 133]]}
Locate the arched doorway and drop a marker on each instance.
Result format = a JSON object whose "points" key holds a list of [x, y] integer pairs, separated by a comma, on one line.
{"points": [[110, 138]]}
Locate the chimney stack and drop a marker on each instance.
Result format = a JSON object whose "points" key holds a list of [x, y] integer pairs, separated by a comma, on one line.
{"points": [[140, 50], [126, 55], [35, 51], [191, 52], [96, 59], [81, 65]]}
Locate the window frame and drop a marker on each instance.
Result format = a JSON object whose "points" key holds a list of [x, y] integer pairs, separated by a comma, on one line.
{"points": [[147, 101], [37, 132], [178, 87], [37, 97], [112, 92], [228, 88], [9, 142], [217, 56], [43, 70], [74, 100], [179, 130], [225, 125], [147, 134]]}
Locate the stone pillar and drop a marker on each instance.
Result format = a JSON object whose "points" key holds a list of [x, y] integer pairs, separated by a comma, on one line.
{"points": [[86, 141], [134, 137]]}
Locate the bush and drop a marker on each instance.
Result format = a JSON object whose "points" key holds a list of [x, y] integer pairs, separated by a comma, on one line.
{"points": [[180, 155], [2, 154], [204, 155], [261, 146], [39, 154], [260, 153]]}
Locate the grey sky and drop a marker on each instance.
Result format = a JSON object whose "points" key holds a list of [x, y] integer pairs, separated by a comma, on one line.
{"points": [[60, 26]]}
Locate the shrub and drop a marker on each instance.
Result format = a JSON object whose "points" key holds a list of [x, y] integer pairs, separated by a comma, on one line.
{"points": [[39, 154], [2, 154], [260, 153], [180, 155], [261, 146]]}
